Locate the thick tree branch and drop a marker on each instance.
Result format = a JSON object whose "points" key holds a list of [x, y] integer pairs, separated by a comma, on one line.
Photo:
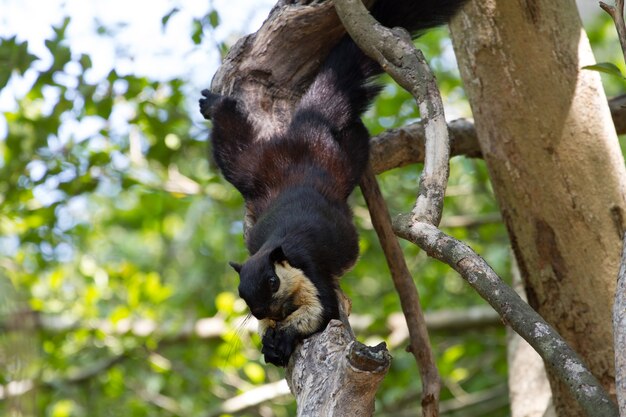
{"points": [[270, 69], [404, 146], [514, 311], [396, 148], [331, 374]]}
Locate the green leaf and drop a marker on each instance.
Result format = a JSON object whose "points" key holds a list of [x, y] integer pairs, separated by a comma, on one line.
{"points": [[606, 67], [168, 16], [85, 61], [214, 19], [196, 31]]}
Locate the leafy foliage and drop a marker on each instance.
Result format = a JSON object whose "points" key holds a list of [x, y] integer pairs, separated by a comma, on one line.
{"points": [[114, 236]]}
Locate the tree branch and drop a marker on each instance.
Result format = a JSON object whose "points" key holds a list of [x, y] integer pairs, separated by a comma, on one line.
{"points": [[619, 333], [396, 148], [565, 363], [394, 51], [331, 374], [617, 14], [407, 291]]}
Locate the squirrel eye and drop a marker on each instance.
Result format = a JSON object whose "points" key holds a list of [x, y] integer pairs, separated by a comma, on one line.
{"points": [[274, 283]]}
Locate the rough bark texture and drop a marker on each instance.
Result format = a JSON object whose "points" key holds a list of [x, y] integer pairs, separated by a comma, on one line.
{"points": [[396, 54], [333, 375], [557, 170]]}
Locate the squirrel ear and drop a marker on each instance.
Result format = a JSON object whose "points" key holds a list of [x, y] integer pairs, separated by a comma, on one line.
{"points": [[236, 266], [277, 255]]}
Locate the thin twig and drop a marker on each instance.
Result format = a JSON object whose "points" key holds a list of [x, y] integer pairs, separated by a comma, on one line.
{"points": [[617, 14], [556, 353], [407, 291]]}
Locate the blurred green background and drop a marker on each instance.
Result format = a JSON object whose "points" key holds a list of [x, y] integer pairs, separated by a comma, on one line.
{"points": [[115, 231]]}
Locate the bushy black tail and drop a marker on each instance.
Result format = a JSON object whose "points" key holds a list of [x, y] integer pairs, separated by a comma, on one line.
{"points": [[415, 15]]}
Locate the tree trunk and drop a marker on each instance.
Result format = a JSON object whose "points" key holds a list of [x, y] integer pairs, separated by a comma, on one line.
{"points": [[546, 133]]}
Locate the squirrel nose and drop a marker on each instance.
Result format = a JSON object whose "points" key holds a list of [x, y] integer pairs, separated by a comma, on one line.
{"points": [[258, 312]]}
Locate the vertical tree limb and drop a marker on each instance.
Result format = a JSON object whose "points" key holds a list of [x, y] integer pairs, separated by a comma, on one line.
{"points": [[407, 291], [619, 333]]}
